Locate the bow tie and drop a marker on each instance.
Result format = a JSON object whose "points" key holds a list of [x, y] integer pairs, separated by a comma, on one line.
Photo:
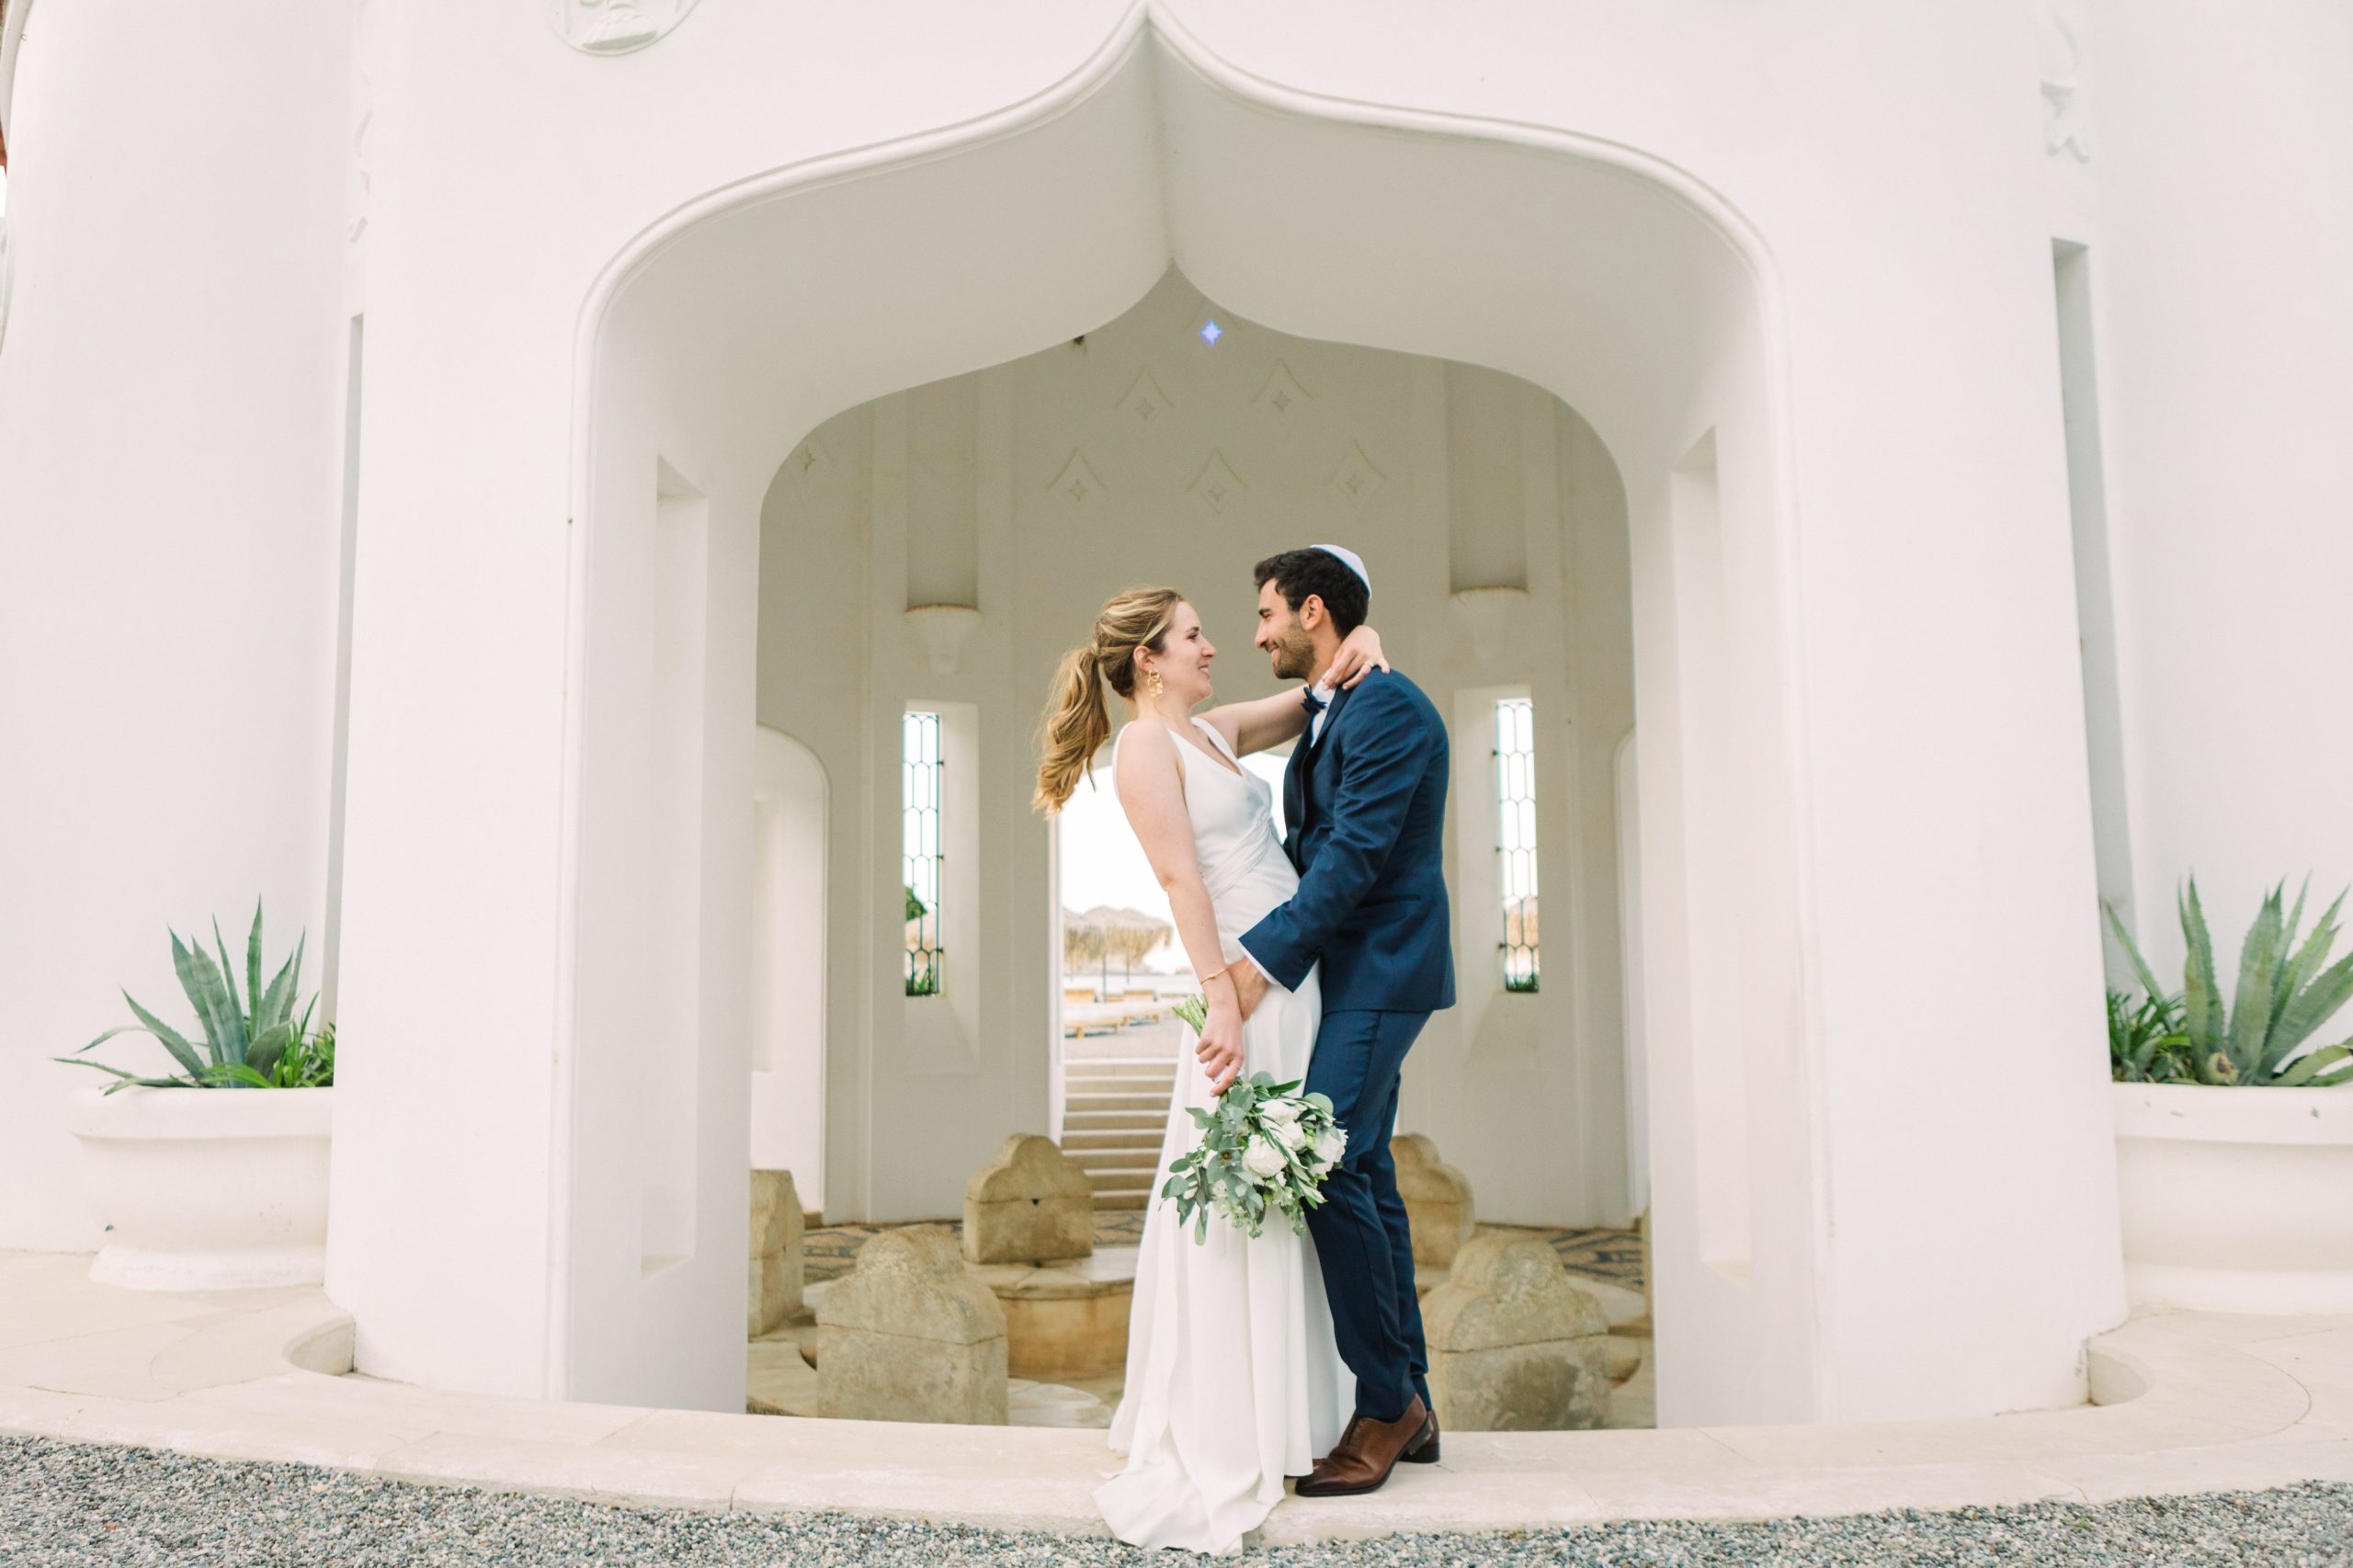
{"points": [[1315, 699]]}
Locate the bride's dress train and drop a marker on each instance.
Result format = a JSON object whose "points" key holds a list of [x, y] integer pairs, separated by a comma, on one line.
{"points": [[1233, 1381]]}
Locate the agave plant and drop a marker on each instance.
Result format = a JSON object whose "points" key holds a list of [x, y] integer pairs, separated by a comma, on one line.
{"points": [[2145, 1041], [2287, 990], [252, 1040]]}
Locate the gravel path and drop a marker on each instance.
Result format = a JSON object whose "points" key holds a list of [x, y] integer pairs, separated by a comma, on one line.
{"points": [[65, 1506]]}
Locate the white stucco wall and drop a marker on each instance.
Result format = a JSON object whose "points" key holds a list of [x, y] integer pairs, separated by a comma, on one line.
{"points": [[2222, 149], [1883, 384]]}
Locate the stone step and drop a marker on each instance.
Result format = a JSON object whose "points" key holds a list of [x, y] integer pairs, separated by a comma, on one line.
{"points": [[1161, 1084], [1120, 1067], [1118, 1162], [1114, 1122], [1083, 1103], [1124, 1200], [1077, 1141], [1136, 1177]]}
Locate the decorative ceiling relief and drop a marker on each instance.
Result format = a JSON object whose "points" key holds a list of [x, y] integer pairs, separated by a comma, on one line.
{"points": [[1218, 490], [2064, 126], [1076, 482], [811, 464], [1281, 398], [1356, 479], [1143, 402], [615, 27]]}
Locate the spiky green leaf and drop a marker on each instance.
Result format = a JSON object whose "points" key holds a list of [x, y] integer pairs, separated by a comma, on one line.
{"points": [[2312, 1007], [266, 1048], [279, 1000], [236, 1075], [2201, 995], [182, 1052], [201, 980], [2141, 969], [242, 1027], [2301, 1071], [2261, 957], [127, 1079], [253, 970]]}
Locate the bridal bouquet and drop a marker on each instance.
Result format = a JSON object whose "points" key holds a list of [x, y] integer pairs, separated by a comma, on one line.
{"points": [[1265, 1149]]}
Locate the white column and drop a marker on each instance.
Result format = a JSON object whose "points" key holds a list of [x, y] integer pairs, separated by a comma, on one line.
{"points": [[170, 422]]}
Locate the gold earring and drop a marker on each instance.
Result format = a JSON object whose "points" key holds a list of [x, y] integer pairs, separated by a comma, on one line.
{"points": [[1153, 676]]}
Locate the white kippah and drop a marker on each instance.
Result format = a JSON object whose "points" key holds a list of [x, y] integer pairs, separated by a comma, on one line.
{"points": [[1349, 559]]}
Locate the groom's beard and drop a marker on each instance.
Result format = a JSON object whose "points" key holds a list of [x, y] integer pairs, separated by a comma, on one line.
{"points": [[1294, 656]]}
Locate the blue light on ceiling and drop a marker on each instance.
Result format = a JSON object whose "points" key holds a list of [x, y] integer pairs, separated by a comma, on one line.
{"points": [[1211, 332]]}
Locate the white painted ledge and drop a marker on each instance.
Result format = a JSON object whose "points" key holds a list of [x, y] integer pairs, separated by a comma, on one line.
{"points": [[2192, 1403]]}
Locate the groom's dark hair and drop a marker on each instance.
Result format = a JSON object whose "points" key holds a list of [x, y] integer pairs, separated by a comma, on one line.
{"points": [[1296, 573]]}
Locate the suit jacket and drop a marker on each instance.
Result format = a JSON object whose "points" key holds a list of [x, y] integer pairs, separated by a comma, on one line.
{"points": [[1366, 801]]}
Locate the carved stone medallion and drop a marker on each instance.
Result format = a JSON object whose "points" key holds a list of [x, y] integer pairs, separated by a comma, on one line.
{"points": [[615, 27]]}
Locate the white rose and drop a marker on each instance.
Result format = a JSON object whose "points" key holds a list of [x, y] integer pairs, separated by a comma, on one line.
{"points": [[1264, 1160], [1281, 1112], [1289, 1134], [1332, 1145]]}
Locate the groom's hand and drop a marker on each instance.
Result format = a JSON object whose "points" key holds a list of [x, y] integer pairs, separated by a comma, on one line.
{"points": [[1249, 985]]}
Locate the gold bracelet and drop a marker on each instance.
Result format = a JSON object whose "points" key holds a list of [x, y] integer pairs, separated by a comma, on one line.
{"points": [[1207, 978]]}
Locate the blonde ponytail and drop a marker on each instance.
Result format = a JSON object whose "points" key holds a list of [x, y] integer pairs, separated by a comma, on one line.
{"points": [[1077, 720]]}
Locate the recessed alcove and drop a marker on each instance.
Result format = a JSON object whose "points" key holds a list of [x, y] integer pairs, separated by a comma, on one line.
{"points": [[982, 377]]}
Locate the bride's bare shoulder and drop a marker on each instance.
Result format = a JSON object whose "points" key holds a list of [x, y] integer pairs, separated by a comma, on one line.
{"points": [[1144, 739], [1143, 757]]}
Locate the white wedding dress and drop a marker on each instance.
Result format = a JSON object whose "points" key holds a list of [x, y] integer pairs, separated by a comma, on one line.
{"points": [[1233, 1380]]}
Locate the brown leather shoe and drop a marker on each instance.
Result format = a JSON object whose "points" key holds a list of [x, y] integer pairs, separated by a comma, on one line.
{"points": [[1368, 1451], [1423, 1449]]}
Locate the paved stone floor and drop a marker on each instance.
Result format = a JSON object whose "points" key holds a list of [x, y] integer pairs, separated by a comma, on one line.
{"points": [[78, 1506], [2186, 1404]]}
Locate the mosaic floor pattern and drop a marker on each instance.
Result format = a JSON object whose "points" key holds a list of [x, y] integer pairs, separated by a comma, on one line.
{"points": [[1597, 1253]]}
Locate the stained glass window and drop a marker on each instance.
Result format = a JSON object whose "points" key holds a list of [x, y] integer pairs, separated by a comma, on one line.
{"points": [[920, 771], [1515, 838]]}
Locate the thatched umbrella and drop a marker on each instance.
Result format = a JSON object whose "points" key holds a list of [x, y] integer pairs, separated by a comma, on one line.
{"points": [[1104, 933]]}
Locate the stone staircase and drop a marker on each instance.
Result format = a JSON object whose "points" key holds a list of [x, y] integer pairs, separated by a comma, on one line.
{"points": [[1115, 1115]]}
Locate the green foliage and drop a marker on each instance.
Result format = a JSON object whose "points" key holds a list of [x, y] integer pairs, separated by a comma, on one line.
{"points": [[1519, 983], [917, 908], [2287, 989], [1255, 1114], [249, 1041], [924, 981], [2145, 1042]]}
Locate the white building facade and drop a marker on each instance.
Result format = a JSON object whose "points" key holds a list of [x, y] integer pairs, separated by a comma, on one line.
{"points": [[491, 479]]}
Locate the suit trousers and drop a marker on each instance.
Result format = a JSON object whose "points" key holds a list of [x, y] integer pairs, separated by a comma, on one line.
{"points": [[1362, 1239]]}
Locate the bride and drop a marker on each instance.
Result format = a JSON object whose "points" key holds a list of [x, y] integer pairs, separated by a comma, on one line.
{"points": [[1233, 1381]]}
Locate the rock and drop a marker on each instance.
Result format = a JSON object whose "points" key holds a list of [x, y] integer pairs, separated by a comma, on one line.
{"points": [[1514, 1345], [1030, 1204], [1437, 1200], [909, 1335], [775, 1282], [1624, 1355], [1065, 1321]]}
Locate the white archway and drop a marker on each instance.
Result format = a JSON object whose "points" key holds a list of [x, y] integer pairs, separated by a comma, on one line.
{"points": [[1598, 276]]}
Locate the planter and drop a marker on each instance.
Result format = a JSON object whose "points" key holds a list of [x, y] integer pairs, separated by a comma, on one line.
{"points": [[206, 1189], [2236, 1200]]}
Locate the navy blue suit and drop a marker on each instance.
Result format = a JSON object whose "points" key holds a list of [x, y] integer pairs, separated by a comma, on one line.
{"points": [[1366, 801]]}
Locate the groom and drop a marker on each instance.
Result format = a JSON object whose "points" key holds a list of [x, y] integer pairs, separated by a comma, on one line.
{"points": [[1364, 798]]}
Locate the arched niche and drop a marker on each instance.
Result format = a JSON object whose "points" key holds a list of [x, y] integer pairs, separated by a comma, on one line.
{"points": [[716, 344], [789, 929]]}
